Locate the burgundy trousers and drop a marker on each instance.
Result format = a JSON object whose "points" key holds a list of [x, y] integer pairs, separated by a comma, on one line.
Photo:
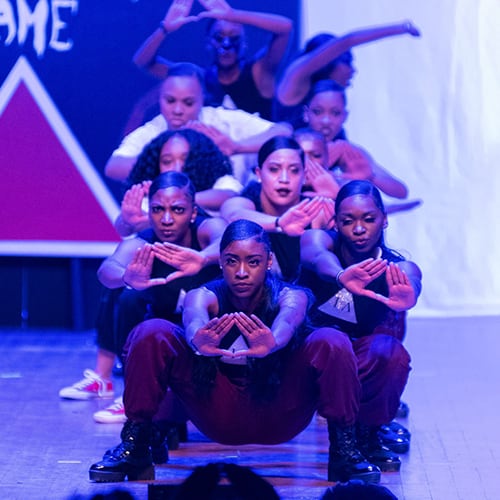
{"points": [[342, 380]]}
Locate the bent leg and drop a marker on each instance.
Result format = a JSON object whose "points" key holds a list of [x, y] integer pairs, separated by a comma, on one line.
{"points": [[155, 353], [334, 369], [383, 368]]}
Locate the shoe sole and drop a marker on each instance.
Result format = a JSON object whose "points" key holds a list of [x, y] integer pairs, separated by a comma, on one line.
{"points": [[397, 447], [85, 397], [367, 477], [107, 420], [146, 474], [387, 467]]}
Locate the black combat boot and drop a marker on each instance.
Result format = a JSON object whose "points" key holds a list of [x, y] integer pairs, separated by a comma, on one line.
{"points": [[161, 442], [131, 458], [371, 446], [395, 436], [345, 462]]}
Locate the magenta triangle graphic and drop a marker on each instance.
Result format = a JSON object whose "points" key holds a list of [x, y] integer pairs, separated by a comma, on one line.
{"points": [[44, 196]]}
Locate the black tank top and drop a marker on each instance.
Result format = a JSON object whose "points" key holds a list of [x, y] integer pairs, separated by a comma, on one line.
{"points": [[243, 92]]}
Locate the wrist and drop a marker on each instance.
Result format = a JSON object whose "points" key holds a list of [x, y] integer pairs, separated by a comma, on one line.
{"points": [[195, 349], [163, 28], [337, 278], [127, 285], [277, 226]]}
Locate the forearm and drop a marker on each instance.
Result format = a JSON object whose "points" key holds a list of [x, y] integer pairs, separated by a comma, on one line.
{"points": [[366, 35], [295, 83], [389, 184], [212, 199], [125, 229], [119, 167], [267, 222], [316, 255], [192, 323], [254, 143], [270, 22], [211, 253], [147, 52], [196, 313], [293, 310], [110, 273]]}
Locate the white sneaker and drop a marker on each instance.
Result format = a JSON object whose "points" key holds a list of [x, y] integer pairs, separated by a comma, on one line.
{"points": [[92, 386], [113, 414]]}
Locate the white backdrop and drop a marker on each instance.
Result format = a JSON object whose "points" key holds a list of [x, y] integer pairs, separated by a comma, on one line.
{"points": [[428, 109]]}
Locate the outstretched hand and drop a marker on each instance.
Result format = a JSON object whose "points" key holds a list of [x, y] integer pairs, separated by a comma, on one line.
{"points": [[321, 179], [259, 337], [295, 220], [208, 337], [357, 276], [402, 295], [138, 272], [411, 29], [178, 15], [221, 140], [216, 9], [188, 261], [131, 207], [354, 163]]}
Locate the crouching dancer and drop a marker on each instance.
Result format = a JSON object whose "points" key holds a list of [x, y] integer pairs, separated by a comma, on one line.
{"points": [[245, 368]]}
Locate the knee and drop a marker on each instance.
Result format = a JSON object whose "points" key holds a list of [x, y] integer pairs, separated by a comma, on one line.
{"points": [[330, 343], [153, 332], [389, 351]]}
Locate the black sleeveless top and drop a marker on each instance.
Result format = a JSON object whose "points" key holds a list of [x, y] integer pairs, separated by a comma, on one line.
{"points": [[359, 318], [165, 301], [286, 248], [243, 92]]}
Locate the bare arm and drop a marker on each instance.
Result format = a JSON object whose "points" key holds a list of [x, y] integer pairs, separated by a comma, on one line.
{"points": [[404, 284], [293, 222], [240, 207], [131, 264], [316, 254], [209, 235], [188, 261], [200, 305], [388, 183], [296, 80], [250, 144], [262, 340], [293, 310], [253, 143], [269, 58], [356, 163], [212, 199], [119, 167], [146, 56]]}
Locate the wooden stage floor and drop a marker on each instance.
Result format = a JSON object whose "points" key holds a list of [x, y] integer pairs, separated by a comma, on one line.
{"points": [[454, 397]]}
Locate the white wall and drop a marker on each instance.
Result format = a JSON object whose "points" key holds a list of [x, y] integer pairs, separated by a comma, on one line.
{"points": [[428, 109]]}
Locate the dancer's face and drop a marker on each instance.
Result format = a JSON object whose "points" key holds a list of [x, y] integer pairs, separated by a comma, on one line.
{"points": [[282, 177], [226, 40], [181, 99], [326, 113], [171, 210], [173, 154], [244, 266], [360, 224]]}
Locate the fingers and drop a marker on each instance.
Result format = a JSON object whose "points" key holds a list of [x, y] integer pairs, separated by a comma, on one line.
{"points": [[244, 323], [223, 324], [166, 250], [396, 276], [173, 276], [157, 281]]}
